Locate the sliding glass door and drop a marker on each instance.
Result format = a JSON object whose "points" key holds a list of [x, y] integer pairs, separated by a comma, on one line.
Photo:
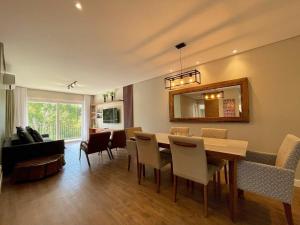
{"points": [[59, 120]]}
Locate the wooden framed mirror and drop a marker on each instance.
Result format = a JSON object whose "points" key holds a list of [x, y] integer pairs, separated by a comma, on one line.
{"points": [[226, 101]]}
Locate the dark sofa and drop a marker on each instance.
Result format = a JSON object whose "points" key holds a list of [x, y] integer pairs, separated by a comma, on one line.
{"points": [[14, 151]]}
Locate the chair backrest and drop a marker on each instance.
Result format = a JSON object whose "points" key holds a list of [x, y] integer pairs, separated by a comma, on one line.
{"points": [[118, 139], [131, 147], [289, 153], [214, 133], [130, 131], [98, 141], [182, 131], [148, 149], [189, 158]]}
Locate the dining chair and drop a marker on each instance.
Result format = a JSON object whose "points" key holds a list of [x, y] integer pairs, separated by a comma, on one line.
{"points": [[132, 154], [118, 140], [221, 134], [190, 162], [97, 142], [272, 175], [183, 131], [130, 131], [149, 154]]}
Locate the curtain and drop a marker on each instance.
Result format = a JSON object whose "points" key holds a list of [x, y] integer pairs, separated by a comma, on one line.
{"points": [[21, 112], [86, 117], [9, 113]]}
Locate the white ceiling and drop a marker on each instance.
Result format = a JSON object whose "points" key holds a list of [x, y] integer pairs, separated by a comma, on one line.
{"points": [[49, 43]]}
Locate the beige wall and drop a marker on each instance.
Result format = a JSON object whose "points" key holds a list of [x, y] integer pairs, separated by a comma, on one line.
{"points": [[274, 77]]}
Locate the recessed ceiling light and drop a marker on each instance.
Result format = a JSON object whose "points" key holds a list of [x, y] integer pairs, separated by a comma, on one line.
{"points": [[78, 6], [234, 51], [197, 63], [171, 70]]}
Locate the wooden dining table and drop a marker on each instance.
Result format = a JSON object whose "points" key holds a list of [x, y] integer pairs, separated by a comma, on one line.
{"points": [[231, 150]]}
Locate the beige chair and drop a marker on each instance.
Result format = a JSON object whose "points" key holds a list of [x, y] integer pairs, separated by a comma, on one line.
{"points": [[132, 153], [183, 131], [189, 162], [150, 155], [272, 175], [221, 134], [130, 131]]}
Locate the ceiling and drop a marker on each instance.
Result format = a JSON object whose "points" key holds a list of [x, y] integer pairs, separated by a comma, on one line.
{"points": [[109, 44]]}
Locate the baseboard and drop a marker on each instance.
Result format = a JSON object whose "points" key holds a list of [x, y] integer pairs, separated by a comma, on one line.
{"points": [[297, 183]]}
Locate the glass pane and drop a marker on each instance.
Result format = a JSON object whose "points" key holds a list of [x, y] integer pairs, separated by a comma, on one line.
{"points": [[69, 122], [42, 117]]}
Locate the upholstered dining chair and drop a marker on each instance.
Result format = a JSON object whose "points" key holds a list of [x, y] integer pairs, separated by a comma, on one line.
{"points": [[97, 143], [149, 154], [118, 140], [272, 175], [132, 154], [221, 134], [190, 162], [183, 131], [130, 131]]}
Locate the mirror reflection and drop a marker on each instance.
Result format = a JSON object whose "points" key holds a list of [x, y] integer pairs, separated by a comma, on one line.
{"points": [[213, 103]]}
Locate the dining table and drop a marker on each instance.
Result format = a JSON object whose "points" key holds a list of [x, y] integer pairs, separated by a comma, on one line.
{"points": [[228, 149]]}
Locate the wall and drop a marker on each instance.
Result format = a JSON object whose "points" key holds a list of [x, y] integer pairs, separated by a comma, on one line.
{"points": [[2, 114], [99, 101], [274, 77]]}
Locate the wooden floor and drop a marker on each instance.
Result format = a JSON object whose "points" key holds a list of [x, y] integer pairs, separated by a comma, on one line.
{"points": [[108, 194]]}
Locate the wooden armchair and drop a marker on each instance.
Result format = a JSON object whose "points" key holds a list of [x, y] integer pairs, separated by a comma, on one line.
{"points": [[97, 143]]}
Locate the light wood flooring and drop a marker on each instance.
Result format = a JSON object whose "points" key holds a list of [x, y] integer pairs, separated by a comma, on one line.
{"points": [[109, 194]]}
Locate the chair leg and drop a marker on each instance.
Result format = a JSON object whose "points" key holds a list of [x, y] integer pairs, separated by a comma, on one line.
{"points": [[219, 183], [144, 170], [215, 185], [225, 173], [79, 154], [288, 213], [187, 184], [157, 180], [88, 160], [172, 176], [174, 187], [108, 153], [205, 200], [241, 194], [139, 172], [129, 160], [112, 156], [138, 169]]}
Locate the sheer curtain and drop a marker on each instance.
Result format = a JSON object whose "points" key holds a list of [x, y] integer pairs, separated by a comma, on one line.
{"points": [[21, 112], [86, 117]]}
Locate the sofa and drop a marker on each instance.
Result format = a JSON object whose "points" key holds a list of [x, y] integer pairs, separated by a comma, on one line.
{"points": [[14, 151]]}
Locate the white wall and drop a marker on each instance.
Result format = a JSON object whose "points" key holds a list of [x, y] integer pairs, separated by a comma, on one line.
{"points": [[274, 77]]}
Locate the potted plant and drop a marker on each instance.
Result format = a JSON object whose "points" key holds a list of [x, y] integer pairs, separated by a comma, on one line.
{"points": [[105, 97], [112, 95]]}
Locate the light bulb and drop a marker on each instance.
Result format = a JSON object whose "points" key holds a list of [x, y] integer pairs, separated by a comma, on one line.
{"points": [[181, 82], [218, 95], [206, 96], [212, 96], [78, 6], [191, 80]]}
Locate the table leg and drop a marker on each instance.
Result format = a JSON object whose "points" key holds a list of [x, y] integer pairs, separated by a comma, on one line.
{"points": [[233, 189]]}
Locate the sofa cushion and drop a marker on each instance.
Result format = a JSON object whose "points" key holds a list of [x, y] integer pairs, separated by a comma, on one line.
{"points": [[24, 136], [34, 134]]}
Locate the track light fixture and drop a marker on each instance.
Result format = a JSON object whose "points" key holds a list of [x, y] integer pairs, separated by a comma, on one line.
{"points": [[72, 85]]}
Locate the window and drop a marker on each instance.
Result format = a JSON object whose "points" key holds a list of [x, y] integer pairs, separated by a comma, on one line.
{"points": [[59, 120]]}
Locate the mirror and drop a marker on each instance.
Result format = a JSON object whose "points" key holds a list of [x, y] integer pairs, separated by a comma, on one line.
{"points": [[224, 101]]}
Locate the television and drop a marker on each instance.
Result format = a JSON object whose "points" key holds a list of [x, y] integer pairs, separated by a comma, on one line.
{"points": [[111, 115]]}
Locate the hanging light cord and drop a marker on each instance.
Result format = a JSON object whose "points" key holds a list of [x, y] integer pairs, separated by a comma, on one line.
{"points": [[180, 62]]}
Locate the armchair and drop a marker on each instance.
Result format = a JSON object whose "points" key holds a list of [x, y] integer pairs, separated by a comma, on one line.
{"points": [[97, 143], [272, 175]]}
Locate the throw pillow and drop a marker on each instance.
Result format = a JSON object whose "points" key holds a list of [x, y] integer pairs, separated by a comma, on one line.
{"points": [[24, 136], [37, 136]]}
